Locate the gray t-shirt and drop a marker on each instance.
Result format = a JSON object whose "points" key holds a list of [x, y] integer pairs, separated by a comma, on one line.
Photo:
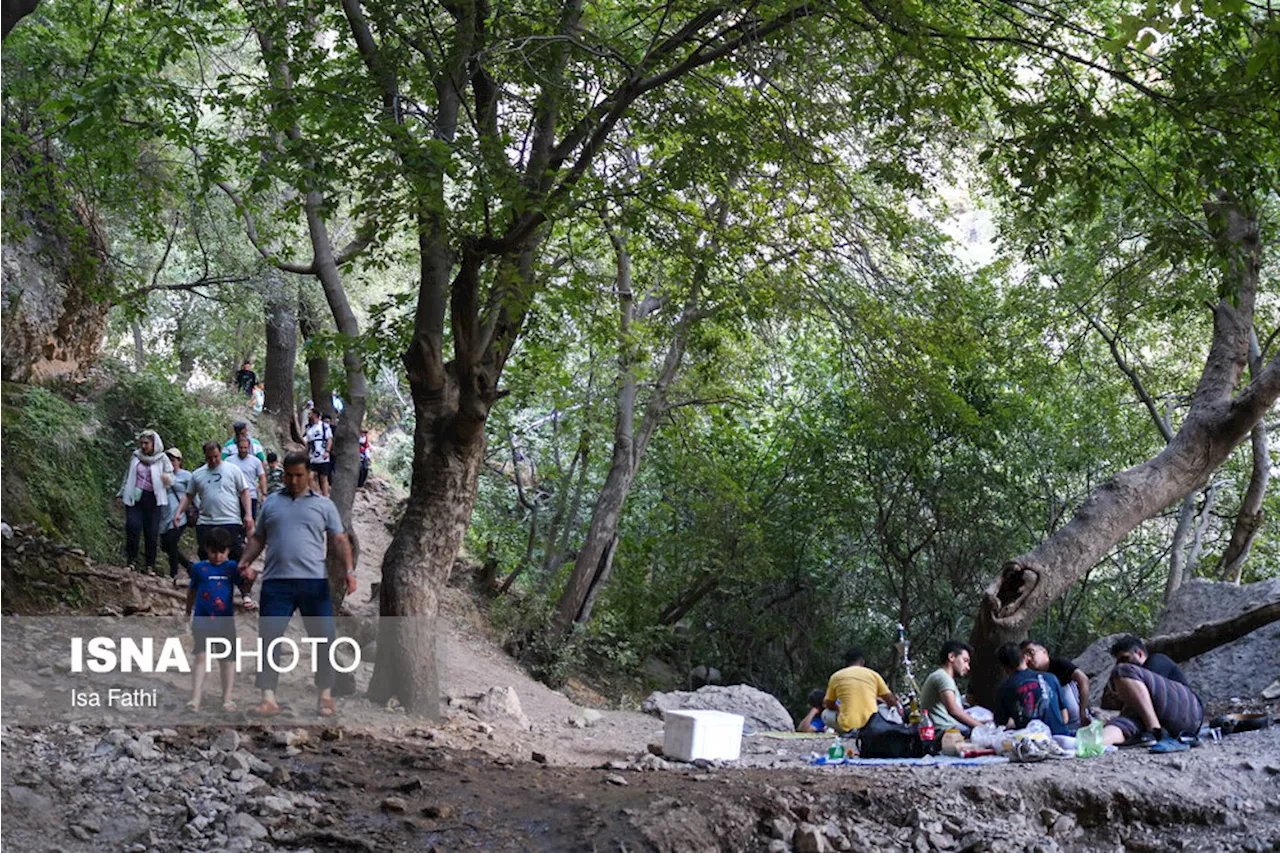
{"points": [[938, 682], [251, 466], [180, 486], [294, 532], [219, 491]]}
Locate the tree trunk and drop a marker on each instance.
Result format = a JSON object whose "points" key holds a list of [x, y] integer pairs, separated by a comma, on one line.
{"points": [[1251, 515], [1178, 555], [281, 300], [446, 467], [317, 361], [139, 350], [1209, 636], [1214, 426]]}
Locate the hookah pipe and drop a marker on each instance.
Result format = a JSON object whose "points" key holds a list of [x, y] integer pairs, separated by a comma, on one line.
{"points": [[904, 650]]}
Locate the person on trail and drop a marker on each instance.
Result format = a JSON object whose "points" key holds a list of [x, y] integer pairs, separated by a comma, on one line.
{"points": [[939, 694], [246, 379], [259, 398], [171, 533], [852, 693], [319, 438], [275, 474], [366, 453], [293, 532], [812, 721], [225, 503], [144, 494], [253, 469], [1074, 681], [1157, 704], [1027, 694], [238, 429], [211, 604]]}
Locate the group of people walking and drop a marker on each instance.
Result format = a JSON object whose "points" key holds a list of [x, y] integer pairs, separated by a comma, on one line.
{"points": [[243, 502]]}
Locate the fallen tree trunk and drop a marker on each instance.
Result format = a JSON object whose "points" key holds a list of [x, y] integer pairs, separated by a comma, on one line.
{"points": [[1211, 635]]}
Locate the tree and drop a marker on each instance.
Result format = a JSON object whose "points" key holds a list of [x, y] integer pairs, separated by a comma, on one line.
{"points": [[1208, 72], [474, 82]]}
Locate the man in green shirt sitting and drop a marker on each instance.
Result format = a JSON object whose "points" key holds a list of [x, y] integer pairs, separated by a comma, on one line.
{"points": [[939, 694]]}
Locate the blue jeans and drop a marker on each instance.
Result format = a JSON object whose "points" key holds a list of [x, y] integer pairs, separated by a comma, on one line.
{"points": [[278, 601]]}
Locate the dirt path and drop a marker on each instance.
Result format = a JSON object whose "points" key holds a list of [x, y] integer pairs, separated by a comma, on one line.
{"points": [[473, 664]]}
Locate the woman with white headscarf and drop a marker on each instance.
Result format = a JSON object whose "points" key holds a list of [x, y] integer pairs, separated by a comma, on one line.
{"points": [[143, 493]]}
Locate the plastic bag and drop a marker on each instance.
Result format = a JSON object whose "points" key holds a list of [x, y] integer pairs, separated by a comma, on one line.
{"points": [[981, 714], [987, 736]]}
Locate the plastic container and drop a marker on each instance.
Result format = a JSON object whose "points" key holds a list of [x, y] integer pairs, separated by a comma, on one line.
{"points": [[702, 734], [1089, 740]]}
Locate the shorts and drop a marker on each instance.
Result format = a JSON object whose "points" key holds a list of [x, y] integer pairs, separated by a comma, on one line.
{"points": [[1177, 707], [206, 628], [320, 469]]}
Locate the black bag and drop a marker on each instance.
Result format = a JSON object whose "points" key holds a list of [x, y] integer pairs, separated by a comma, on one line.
{"points": [[880, 738]]}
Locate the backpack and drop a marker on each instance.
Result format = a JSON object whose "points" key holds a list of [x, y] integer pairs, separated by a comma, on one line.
{"points": [[880, 738]]}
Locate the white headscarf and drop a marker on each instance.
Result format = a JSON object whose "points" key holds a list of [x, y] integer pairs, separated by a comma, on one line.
{"points": [[161, 472]]}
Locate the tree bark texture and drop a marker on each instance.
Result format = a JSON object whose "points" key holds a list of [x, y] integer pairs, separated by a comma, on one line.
{"points": [[1217, 422], [446, 467], [281, 302]]}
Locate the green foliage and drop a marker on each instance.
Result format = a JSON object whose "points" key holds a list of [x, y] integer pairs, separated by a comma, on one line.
{"points": [[64, 460]]}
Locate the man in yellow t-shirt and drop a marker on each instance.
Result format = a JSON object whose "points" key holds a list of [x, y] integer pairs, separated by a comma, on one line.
{"points": [[852, 693]]}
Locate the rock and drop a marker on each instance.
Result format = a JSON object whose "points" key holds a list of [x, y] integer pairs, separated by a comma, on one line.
{"points": [[278, 776], [274, 805], [142, 748], [1272, 691], [649, 762], [24, 799], [395, 804], [227, 741], [290, 738], [80, 833], [657, 749], [585, 718], [782, 828], [241, 825], [539, 758], [501, 706], [614, 779], [776, 846], [761, 711], [1245, 667], [437, 812], [237, 761], [810, 839]]}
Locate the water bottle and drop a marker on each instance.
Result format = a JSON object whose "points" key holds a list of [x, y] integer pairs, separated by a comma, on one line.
{"points": [[836, 751]]}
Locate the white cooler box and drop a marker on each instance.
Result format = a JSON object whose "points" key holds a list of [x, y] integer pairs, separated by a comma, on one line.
{"points": [[702, 734]]}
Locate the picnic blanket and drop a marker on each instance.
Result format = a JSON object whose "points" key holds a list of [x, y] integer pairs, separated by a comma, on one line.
{"points": [[927, 761]]}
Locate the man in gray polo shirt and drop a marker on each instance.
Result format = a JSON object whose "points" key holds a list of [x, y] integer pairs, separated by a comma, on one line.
{"points": [[292, 529]]}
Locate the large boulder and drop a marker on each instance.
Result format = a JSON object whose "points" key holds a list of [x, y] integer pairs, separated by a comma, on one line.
{"points": [[1242, 668], [761, 711]]}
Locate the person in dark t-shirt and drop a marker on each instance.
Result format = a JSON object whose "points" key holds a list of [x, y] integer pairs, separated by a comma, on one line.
{"points": [[1157, 704], [1073, 680], [246, 379], [1027, 694]]}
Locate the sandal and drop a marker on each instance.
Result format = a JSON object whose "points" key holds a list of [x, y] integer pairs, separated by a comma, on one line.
{"points": [[229, 706], [266, 709], [193, 706], [325, 707], [248, 604]]}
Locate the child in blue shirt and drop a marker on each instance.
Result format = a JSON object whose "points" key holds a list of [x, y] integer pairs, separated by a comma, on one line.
{"points": [[210, 602]]}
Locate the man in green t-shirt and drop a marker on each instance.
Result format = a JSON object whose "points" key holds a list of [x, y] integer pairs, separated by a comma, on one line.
{"points": [[939, 694]]}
